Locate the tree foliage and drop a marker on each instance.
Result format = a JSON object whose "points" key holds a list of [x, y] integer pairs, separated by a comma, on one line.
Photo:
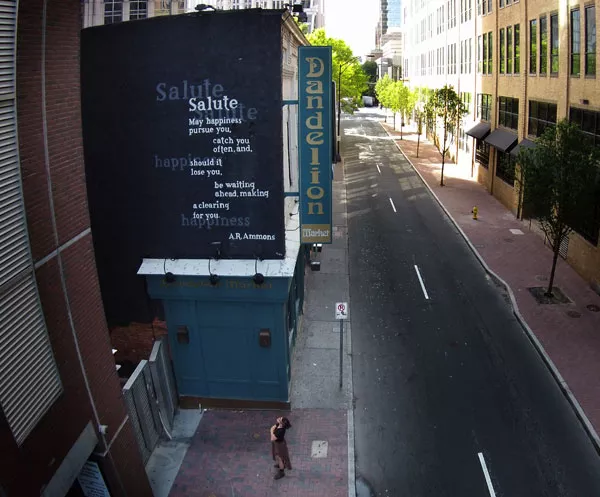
{"points": [[445, 104], [381, 90], [346, 70], [302, 25], [560, 174], [370, 69]]}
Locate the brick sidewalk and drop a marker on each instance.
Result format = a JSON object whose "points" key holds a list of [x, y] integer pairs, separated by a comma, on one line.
{"points": [[569, 333], [230, 456]]}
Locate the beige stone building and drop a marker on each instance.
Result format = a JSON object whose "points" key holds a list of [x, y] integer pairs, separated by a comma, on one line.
{"points": [[520, 65]]}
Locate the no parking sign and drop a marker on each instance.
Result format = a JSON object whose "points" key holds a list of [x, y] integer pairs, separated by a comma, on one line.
{"points": [[341, 310]]}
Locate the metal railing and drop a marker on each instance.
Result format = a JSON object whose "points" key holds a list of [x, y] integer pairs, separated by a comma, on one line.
{"points": [[151, 399]]}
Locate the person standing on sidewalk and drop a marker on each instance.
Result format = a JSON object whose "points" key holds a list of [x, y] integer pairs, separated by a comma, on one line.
{"points": [[279, 449]]}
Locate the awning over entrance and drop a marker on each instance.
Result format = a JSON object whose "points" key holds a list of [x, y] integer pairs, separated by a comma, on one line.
{"points": [[479, 131], [502, 140], [523, 143]]}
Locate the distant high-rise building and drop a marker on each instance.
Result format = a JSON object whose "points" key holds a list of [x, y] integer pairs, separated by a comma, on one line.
{"points": [[390, 15], [394, 14]]}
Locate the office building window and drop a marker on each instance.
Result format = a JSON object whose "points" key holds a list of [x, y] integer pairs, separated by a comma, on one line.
{"points": [[470, 45], [484, 106], [533, 46], [485, 60], [479, 53], [500, 3], [517, 54], [466, 100], [113, 11], [590, 41], [588, 121], [541, 116], [543, 45], [482, 153], [505, 169], [490, 52], [509, 50], [554, 38], [508, 112], [138, 10], [502, 61], [575, 42], [588, 223]]}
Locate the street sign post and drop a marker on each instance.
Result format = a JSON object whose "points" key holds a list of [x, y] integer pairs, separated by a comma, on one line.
{"points": [[341, 314]]}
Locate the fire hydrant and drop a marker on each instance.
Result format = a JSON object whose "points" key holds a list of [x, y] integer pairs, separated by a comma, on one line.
{"points": [[474, 211]]}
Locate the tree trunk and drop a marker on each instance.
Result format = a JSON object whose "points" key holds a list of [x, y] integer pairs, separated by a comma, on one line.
{"points": [[401, 124], [394, 120], [443, 162], [554, 261], [418, 142]]}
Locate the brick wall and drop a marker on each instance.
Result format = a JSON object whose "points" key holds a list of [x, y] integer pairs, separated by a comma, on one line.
{"points": [[73, 310], [134, 342]]}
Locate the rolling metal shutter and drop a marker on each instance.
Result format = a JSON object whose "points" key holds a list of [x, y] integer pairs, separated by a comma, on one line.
{"points": [[29, 379]]}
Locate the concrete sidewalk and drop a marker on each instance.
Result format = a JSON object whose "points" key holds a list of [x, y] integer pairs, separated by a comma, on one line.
{"points": [[229, 453], [566, 335]]}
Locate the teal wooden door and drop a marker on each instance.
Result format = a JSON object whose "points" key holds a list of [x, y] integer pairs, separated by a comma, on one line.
{"points": [[220, 357], [186, 347]]}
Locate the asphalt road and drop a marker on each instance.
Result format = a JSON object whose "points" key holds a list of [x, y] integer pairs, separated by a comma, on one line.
{"points": [[447, 385]]}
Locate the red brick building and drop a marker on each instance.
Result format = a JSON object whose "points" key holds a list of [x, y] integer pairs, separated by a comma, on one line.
{"points": [[61, 402]]}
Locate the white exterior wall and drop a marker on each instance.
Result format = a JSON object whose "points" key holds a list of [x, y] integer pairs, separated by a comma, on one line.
{"points": [[426, 33]]}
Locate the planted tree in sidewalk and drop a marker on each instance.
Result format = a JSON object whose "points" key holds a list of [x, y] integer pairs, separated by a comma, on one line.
{"points": [[449, 108], [419, 116], [561, 183], [381, 88], [394, 96]]}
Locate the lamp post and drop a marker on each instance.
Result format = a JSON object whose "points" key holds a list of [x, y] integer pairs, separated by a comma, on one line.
{"points": [[343, 66]]}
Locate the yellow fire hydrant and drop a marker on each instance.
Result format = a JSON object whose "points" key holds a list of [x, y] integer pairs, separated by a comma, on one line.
{"points": [[475, 213]]}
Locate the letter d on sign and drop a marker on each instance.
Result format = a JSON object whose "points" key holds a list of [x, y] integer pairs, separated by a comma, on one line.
{"points": [[316, 67]]}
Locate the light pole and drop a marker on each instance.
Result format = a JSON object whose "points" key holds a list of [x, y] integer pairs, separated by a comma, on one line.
{"points": [[343, 66]]}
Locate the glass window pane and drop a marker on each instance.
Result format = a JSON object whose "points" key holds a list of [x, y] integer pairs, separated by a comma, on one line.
{"points": [[575, 41], [533, 46], [590, 41], [589, 122]]}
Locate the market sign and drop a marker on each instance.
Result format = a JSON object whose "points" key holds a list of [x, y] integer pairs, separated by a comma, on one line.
{"points": [[314, 101]]}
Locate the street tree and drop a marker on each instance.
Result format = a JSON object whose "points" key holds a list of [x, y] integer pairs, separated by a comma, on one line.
{"points": [[346, 69], [370, 69], [561, 176], [381, 91], [449, 108], [302, 25], [408, 101], [394, 94], [419, 117]]}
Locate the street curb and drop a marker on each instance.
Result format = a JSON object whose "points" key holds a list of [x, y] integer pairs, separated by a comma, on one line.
{"points": [[351, 454], [587, 425]]}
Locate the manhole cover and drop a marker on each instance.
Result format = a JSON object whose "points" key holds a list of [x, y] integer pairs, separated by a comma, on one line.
{"points": [[573, 314], [593, 308]]}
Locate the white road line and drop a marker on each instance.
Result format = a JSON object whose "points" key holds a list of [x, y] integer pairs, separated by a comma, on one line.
{"points": [[488, 480], [393, 206], [378, 168], [421, 281]]}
